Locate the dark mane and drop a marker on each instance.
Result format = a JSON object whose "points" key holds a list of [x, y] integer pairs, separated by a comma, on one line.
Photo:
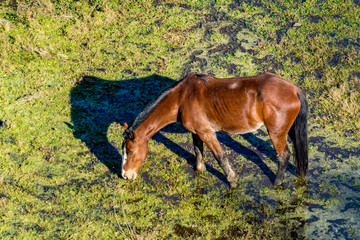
{"points": [[203, 77], [152, 105]]}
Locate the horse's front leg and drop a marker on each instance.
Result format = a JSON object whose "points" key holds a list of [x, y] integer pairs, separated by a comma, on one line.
{"points": [[211, 141], [199, 153], [229, 173]]}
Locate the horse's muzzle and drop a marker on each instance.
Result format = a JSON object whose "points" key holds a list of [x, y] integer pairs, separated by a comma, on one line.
{"points": [[131, 175]]}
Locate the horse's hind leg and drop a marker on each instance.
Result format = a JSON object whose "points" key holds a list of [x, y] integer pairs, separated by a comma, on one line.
{"points": [[282, 155], [199, 149], [278, 124], [211, 141]]}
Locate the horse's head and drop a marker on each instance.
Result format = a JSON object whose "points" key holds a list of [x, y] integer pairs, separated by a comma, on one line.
{"points": [[135, 151]]}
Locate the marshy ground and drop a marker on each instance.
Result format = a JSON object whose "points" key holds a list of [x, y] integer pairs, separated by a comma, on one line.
{"points": [[72, 72]]}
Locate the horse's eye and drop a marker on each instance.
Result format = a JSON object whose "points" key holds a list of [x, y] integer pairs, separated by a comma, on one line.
{"points": [[131, 154]]}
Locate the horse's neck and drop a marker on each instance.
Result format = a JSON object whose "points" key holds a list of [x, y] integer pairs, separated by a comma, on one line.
{"points": [[163, 114]]}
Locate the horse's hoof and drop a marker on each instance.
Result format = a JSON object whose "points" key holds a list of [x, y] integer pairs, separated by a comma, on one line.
{"points": [[200, 169], [301, 182], [279, 187], [278, 180], [233, 184]]}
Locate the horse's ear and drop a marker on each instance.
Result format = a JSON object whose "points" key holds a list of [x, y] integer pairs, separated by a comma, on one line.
{"points": [[132, 135], [128, 134]]}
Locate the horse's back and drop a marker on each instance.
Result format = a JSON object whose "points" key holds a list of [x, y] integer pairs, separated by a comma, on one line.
{"points": [[236, 104]]}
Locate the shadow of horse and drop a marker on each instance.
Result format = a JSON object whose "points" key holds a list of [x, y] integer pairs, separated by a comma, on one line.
{"points": [[97, 103]]}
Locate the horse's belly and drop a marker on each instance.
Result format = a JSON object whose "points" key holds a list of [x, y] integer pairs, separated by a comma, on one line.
{"points": [[236, 127], [250, 128]]}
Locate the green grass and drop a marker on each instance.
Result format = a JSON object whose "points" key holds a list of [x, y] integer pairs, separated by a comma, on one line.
{"points": [[60, 143]]}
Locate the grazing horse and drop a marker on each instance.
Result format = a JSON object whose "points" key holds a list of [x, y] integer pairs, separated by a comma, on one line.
{"points": [[205, 105]]}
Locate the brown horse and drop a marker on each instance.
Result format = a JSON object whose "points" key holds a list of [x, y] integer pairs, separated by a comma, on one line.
{"points": [[205, 105]]}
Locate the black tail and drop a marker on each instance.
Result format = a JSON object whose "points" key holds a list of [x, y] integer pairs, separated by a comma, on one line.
{"points": [[298, 135]]}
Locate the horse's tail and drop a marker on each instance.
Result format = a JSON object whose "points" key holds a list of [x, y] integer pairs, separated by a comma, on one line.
{"points": [[299, 137]]}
